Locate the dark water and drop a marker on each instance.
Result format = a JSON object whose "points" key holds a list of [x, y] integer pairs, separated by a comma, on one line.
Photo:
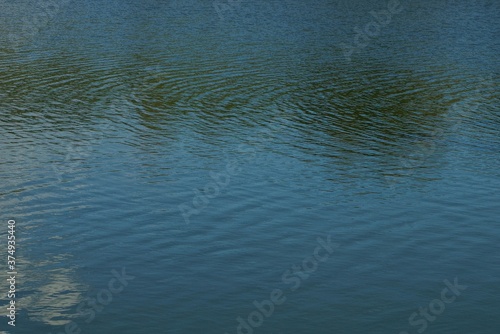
{"points": [[204, 149]]}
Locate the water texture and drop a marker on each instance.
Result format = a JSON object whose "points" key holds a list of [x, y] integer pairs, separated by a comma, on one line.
{"points": [[251, 166]]}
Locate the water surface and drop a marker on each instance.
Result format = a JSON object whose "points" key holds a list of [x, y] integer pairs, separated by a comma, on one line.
{"points": [[119, 118]]}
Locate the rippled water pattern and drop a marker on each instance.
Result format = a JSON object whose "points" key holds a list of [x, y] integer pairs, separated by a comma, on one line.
{"points": [[204, 147]]}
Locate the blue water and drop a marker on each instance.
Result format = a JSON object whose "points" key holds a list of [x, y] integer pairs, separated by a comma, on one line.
{"points": [[251, 166]]}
